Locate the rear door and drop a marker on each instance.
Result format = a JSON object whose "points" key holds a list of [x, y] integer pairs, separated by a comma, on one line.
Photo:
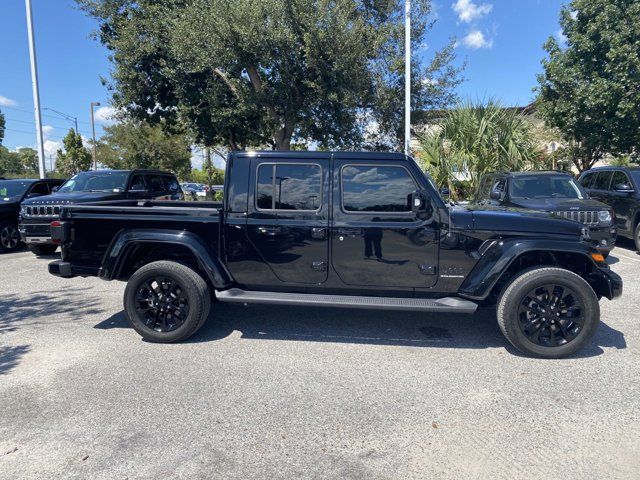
{"points": [[157, 188], [288, 217], [599, 187], [622, 202], [377, 241]]}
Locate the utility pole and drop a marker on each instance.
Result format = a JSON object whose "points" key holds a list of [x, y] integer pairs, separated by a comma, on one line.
{"points": [[407, 77], [93, 131], [36, 90]]}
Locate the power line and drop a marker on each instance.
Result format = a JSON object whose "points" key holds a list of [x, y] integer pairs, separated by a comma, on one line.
{"points": [[44, 114], [65, 127]]}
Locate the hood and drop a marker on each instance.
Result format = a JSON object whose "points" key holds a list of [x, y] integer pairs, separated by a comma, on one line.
{"points": [[512, 220], [74, 197], [9, 201], [551, 204]]}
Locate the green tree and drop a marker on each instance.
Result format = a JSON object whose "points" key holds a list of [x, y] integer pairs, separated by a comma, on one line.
{"points": [[476, 139], [9, 162], [28, 160], [134, 144], [271, 72], [589, 88], [75, 157], [2, 126]]}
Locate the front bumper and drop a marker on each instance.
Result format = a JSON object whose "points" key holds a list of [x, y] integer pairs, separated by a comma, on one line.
{"points": [[35, 233], [606, 283], [603, 239]]}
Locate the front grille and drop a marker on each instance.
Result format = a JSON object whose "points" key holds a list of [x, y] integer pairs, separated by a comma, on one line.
{"points": [[586, 218], [42, 211]]}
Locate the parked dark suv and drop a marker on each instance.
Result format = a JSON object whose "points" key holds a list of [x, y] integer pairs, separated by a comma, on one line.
{"points": [[12, 192], [554, 192], [91, 186], [618, 187]]}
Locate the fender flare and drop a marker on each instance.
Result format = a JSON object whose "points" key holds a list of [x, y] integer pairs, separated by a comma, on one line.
{"points": [[115, 257], [501, 254]]}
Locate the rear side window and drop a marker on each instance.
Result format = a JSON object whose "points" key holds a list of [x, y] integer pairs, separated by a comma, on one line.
{"points": [[602, 181], [286, 186], [371, 188], [586, 180]]}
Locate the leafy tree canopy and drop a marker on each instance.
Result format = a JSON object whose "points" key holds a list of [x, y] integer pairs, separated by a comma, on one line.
{"points": [[75, 157], [2, 126], [589, 88], [135, 144], [252, 73]]}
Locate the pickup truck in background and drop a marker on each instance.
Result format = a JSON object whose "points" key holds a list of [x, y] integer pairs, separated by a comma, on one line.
{"points": [[550, 191], [355, 230], [37, 214]]}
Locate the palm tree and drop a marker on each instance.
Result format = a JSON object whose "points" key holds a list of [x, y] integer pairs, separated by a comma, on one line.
{"points": [[477, 139]]}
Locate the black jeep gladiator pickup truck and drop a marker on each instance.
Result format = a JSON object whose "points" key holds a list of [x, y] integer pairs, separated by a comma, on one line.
{"points": [[363, 230]]}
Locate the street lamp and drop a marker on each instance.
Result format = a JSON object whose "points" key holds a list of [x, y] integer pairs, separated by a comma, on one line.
{"points": [[71, 118], [93, 130]]}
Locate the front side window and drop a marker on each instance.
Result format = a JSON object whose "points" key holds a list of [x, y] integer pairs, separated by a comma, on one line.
{"points": [[602, 181], [545, 186], [286, 186], [137, 183], [155, 183], [376, 188], [619, 178], [586, 180]]}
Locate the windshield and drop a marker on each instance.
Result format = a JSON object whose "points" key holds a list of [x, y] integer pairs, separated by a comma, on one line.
{"points": [[636, 176], [96, 182], [545, 186], [13, 188]]}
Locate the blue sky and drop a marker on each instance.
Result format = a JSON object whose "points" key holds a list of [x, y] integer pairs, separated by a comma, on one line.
{"points": [[501, 41]]}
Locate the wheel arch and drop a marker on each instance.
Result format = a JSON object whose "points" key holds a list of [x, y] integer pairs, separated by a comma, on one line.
{"points": [[133, 248], [507, 258]]}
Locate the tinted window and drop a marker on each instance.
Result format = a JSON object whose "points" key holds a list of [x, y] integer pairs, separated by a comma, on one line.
{"points": [[40, 188], [289, 187], [601, 181], [586, 180], [545, 186], [618, 179], [155, 184], [137, 183], [172, 184], [376, 189]]}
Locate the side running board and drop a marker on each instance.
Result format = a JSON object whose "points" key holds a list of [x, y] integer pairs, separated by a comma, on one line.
{"points": [[449, 304]]}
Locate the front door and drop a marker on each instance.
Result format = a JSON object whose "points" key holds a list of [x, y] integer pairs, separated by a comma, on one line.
{"points": [[377, 241], [288, 218]]}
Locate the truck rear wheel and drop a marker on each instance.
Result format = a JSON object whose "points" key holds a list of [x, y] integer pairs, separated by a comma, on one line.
{"points": [[548, 312], [166, 301]]}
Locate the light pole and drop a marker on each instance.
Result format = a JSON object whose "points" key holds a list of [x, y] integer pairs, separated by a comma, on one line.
{"points": [[71, 118], [36, 90], [407, 77], [93, 132]]}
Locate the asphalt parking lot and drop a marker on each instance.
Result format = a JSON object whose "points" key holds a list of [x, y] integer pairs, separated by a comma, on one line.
{"points": [[282, 392]]}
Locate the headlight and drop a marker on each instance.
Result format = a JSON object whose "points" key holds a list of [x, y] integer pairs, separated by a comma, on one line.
{"points": [[604, 216]]}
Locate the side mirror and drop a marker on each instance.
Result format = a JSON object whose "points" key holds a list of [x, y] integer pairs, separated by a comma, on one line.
{"points": [[419, 203], [495, 195], [55, 189], [623, 188], [33, 195], [445, 193]]}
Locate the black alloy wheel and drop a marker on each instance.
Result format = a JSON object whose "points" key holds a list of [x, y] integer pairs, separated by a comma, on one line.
{"points": [[166, 301], [163, 304], [551, 315], [9, 237]]}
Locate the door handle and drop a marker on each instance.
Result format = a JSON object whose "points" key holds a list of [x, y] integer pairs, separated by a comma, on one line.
{"points": [[349, 232], [269, 231]]}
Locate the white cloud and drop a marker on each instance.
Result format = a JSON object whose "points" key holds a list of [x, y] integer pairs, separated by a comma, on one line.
{"points": [[475, 39], [7, 102], [561, 37], [105, 115], [47, 130], [468, 11]]}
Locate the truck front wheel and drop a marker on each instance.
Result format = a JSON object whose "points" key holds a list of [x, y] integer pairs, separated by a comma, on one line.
{"points": [[166, 301], [548, 312]]}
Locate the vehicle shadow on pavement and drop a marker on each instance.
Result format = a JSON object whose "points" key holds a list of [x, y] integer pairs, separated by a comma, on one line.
{"points": [[287, 323]]}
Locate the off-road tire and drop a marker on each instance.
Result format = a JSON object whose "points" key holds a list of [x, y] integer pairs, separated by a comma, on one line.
{"points": [[636, 237], [192, 284], [519, 288], [41, 250]]}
